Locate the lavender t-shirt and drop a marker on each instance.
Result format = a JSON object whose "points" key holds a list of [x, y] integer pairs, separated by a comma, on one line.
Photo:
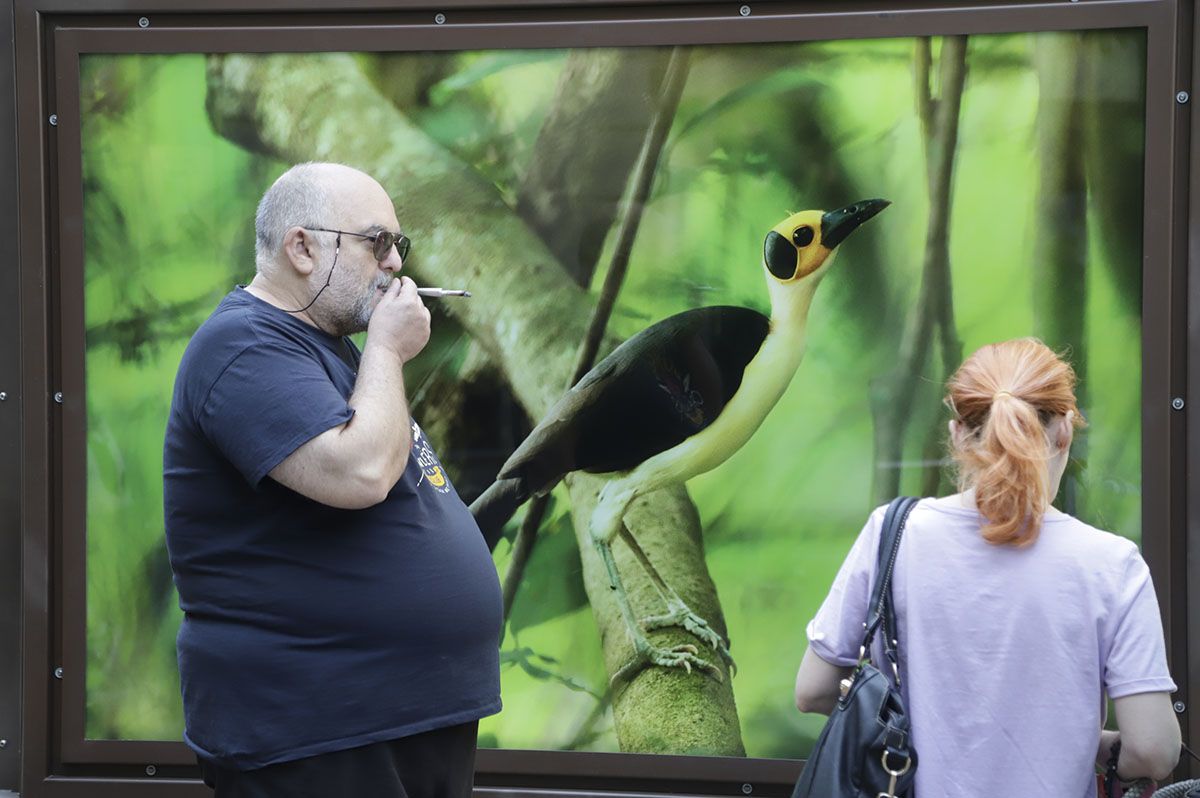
{"points": [[1005, 653]]}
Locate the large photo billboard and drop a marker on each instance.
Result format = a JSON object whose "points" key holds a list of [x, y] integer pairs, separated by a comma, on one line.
{"points": [[584, 196]]}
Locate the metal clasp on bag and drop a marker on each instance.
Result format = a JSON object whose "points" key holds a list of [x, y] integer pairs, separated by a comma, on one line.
{"points": [[895, 774], [891, 655], [863, 658]]}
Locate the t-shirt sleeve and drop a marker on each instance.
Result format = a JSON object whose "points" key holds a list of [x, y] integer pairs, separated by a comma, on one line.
{"points": [[271, 398], [836, 632], [1137, 659]]}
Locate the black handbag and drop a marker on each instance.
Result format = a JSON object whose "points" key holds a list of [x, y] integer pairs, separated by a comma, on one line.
{"points": [[865, 749]]}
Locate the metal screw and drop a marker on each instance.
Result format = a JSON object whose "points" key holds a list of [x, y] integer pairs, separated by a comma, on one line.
{"points": [[3, 395], [3, 743], [143, 22], [440, 19], [1179, 707], [58, 673], [745, 12], [747, 789], [53, 120], [1177, 403], [1182, 97], [151, 770], [58, 397]]}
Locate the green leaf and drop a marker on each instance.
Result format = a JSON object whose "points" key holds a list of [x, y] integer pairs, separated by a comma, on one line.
{"points": [[523, 657], [781, 82], [553, 582], [485, 67]]}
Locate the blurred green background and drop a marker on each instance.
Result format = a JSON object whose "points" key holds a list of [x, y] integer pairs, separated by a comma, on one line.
{"points": [[760, 131]]}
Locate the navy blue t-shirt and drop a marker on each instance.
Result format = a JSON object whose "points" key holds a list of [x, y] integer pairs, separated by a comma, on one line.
{"points": [[309, 629]]}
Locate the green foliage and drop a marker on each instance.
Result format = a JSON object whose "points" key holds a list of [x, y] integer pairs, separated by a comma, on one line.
{"points": [[488, 65], [489, 111], [554, 573], [766, 87], [538, 666], [761, 131]]}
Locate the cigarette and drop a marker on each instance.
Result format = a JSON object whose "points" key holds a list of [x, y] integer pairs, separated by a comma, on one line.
{"points": [[441, 292]]}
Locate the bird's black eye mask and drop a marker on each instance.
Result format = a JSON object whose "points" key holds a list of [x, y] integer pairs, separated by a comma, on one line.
{"points": [[780, 256]]}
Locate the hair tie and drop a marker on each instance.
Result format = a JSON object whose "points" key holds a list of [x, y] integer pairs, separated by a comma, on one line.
{"points": [[998, 394]]}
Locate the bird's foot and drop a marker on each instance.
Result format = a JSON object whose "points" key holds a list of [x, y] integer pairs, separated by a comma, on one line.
{"points": [[681, 615], [647, 654]]}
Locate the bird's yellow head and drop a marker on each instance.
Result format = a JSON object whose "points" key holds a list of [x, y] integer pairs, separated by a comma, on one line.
{"points": [[801, 244]]}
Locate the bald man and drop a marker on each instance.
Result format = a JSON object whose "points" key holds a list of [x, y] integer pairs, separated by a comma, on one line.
{"points": [[341, 610]]}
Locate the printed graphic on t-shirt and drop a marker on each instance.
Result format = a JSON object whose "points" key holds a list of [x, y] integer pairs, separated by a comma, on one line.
{"points": [[431, 469]]}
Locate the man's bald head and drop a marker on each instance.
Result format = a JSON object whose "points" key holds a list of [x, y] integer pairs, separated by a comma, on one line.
{"points": [[307, 195]]}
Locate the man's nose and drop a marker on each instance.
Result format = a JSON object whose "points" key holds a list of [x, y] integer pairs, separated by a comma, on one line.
{"points": [[392, 263]]}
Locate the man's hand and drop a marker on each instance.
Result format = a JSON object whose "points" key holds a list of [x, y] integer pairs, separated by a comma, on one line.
{"points": [[400, 321]]}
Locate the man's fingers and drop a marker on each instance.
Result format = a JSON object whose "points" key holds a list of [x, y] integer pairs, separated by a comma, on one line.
{"points": [[408, 288]]}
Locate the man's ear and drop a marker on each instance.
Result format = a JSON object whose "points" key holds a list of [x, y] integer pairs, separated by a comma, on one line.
{"points": [[298, 246]]}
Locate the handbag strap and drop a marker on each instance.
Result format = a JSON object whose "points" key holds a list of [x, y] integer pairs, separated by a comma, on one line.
{"points": [[880, 611]]}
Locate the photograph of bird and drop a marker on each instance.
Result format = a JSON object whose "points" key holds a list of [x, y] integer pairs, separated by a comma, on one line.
{"points": [[676, 400]]}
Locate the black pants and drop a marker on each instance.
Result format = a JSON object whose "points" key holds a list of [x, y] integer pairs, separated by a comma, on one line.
{"points": [[436, 764]]}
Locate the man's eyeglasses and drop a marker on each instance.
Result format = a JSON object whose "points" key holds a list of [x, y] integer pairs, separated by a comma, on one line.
{"points": [[381, 241]]}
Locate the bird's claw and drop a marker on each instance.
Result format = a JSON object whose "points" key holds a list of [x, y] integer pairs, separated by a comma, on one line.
{"points": [[680, 615], [682, 656]]}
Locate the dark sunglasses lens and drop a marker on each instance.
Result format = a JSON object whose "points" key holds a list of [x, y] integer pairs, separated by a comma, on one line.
{"points": [[385, 241]]}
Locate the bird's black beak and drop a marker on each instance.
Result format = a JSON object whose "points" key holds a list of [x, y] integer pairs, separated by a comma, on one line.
{"points": [[836, 225]]}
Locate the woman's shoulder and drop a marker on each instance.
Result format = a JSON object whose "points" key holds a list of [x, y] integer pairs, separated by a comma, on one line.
{"points": [[1058, 527], [1103, 553], [1068, 525]]}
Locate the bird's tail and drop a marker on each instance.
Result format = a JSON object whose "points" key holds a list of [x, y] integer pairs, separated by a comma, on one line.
{"points": [[496, 505]]}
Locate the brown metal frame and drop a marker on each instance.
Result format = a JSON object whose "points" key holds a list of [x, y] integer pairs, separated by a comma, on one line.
{"points": [[48, 512], [10, 430]]}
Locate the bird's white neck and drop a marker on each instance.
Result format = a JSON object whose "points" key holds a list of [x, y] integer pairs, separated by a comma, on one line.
{"points": [[791, 309], [789, 315], [769, 372]]}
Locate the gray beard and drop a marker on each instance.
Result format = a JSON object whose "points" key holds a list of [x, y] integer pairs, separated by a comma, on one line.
{"points": [[352, 320]]}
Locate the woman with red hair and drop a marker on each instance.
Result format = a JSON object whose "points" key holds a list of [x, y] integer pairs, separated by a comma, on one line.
{"points": [[1015, 620]]}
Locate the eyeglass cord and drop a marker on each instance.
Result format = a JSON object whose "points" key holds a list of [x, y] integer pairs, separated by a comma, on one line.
{"points": [[337, 247]]}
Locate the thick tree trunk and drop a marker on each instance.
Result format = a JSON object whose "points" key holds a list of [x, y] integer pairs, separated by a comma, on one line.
{"points": [[586, 149], [526, 312]]}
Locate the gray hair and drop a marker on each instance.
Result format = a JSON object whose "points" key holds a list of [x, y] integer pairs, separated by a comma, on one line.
{"points": [[300, 197]]}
